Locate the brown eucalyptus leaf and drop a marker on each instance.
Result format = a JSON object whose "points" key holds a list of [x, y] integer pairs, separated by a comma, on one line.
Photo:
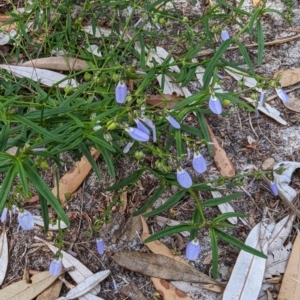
{"points": [[132, 226], [132, 291], [52, 292], [58, 63], [156, 265], [293, 104], [290, 287], [288, 77], [168, 101], [3, 255], [23, 290], [222, 161]]}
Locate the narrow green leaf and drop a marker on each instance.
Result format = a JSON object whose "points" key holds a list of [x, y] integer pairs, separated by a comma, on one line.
{"points": [[179, 146], [6, 185], [195, 50], [101, 143], [168, 204], [169, 231], [157, 193], [189, 76], [203, 126], [131, 179], [237, 243], [220, 200], [215, 252], [44, 190], [23, 176], [37, 128], [4, 134], [109, 163], [227, 215], [212, 64], [196, 220], [261, 43], [142, 54], [86, 152], [44, 208], [253, 19], [246, 57]]}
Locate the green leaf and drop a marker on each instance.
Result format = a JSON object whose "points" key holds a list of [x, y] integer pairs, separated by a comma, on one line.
{"points": [[179, 146], [253, 19], [189, 76], [108, 161], [196, 220], [237, 243], [203, 126], [212, 64], [169, 231], [168, 204], [37, 128], [86, 152], [101, 143], [227, 215], [23, 176], [44, 190], [6, 185], [220, 200], [44, 208], [261, 43], [215, 252], [195, 50], [246, 56], [4, 134], [131, 179], [157, 193]]}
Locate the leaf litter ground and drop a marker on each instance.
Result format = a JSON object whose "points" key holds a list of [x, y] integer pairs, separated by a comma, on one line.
{"points": [[269, 139]]}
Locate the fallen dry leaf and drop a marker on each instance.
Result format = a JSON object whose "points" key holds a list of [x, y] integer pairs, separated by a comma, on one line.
{"points": [[132, 291], [132, 226], [7, 27], [222, 161], [157, 265], [293, 104], [52, 292], [71, 181], [58, 63], [165, 101], [23, 290], [257, 3], [288, 77], [3, 255], [290, 287]]}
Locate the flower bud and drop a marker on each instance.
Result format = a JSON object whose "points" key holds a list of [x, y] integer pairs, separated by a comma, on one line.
{"points": [[274, 189], [100, 246], [282, 95], [193, 249], [173, 122], [215, 105], [225, 35], [55, 267], [139, 155], [184, 178], [121, 92], [4, 215], [138, 134], [199, 163], [25, 220]]}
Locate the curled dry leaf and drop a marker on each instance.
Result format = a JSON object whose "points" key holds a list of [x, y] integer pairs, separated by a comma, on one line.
{"points": [[290, 287], [52, 292], [132, 227], [58, 63], [23, 290], [222, 161], [3, 255], [165, 101], [293, 104], [132, 291], [46, 77], [288, 77]]}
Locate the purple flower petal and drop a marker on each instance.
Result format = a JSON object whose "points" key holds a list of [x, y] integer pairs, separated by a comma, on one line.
{"points": [[152, 126], [215, 105], [138, 134], [127, 147], [199, 163], [55, 267], [3, 215], [25, 220], [225, 35], [184, 178], [100, 246], [141, 126], [261, 99], [121, 92], [282, 95], [273, 188], [193, 249], [173, 122]]}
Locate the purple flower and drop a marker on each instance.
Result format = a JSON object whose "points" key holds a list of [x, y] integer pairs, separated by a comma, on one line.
{"points": [[121, 92], [193, 249], [184, 178], [225, 35], [55, 267], [173, 122], [127, 147], [215, 105], [141, 126], [199, 163], [100, 246], [261, 99], [138, 134], [273, 188], [3, 215], [282, 95], [152, 126], [25, 220]]}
